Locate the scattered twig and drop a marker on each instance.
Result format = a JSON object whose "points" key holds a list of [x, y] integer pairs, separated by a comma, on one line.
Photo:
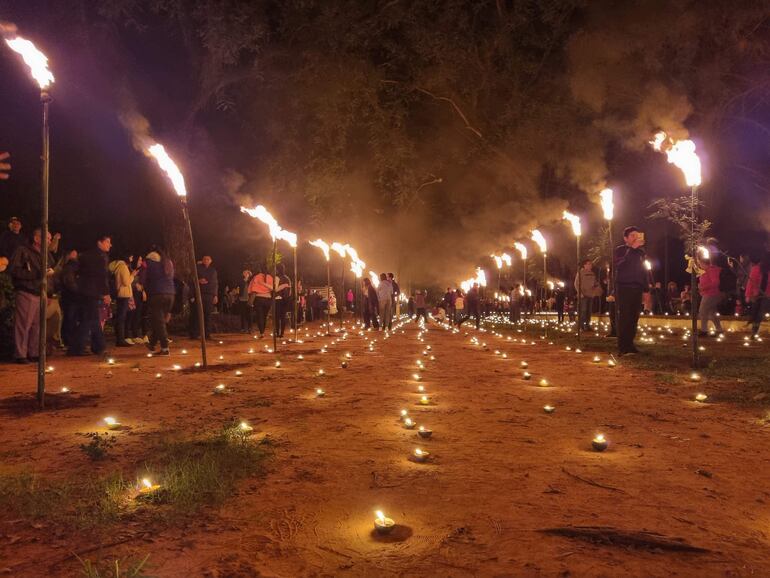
{"points": [[592, 483]]}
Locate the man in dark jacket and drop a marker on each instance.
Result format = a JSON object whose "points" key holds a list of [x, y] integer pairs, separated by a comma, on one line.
{"points": [[472, 306], [26, 273], [631, 280], [12, 239], [158, 281], [93, 289], [207, 278]]}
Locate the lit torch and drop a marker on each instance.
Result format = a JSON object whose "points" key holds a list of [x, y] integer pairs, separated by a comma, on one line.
{"points": [[38, 68], [522, 249], [574, 221], [168, 166], [608, 210], [681, 153], [342, 251], [538, 238]]}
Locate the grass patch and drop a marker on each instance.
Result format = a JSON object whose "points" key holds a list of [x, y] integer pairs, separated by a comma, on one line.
{"points": [[114, 568], [192, 474]]}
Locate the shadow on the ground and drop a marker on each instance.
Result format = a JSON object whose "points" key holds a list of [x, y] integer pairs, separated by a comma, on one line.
{"points": [[24, 404]]}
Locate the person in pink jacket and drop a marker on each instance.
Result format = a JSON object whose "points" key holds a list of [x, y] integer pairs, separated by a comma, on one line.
{"points": [[711, 297]]}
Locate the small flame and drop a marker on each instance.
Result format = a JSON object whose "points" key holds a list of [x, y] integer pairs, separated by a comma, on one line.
{"points": [[36, 60], [147, 483], [538, 238], [608, 207], [704, 252], [323, 246], [599, 438], [680, 153], [110, 420], [574, 220], [169, 167], [522, 249], [380, 516], [647, 265]]}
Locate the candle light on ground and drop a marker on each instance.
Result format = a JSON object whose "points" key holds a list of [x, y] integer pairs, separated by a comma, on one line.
{"points": [[277, 364], [319, 392], [408, 423], [611, 363], [701, 397], [300, 357], [321, 373], [549, 409], [64, 390], [382, 524], [424, 400], [147, 487], [110, 361], [220, 389], [111, 422], [527, 376], [158, 375], [524, 364], [599, 443], [416, 376], [596, 359], [423, 432], [245, 428], [176, 367], [420, 455], [695, 376], [404, 414], [544, 383]]}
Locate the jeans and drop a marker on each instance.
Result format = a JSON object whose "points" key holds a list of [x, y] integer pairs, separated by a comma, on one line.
{"points": [[244, 311], [386, 314], [159, 307], [69, 319], [208, 307], [134, 325], [261, 307], [279, 323], [629, 304], [120, 320], [89, 327], [708, 311], [26, 330], [584, 313]]}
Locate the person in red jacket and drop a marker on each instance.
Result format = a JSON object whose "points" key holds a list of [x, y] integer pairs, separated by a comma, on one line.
{"points": [[711, 296]]}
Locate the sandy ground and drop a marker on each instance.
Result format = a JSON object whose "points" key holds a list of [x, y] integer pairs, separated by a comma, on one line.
{"points": [[501, 469]]}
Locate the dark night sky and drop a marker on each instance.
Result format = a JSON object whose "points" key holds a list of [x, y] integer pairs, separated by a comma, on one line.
{"points": [[100, 183]]}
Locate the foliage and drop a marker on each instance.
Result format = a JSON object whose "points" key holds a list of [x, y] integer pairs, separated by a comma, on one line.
{"points": [[98, 446], [679, 211]]}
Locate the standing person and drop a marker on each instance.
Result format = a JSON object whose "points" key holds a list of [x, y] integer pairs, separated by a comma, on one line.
{"points": [[158, 282], [12, 239], [209, 283], [587, 283], [135, 328], [685, 298], [26, 269], [260, 291], [396, 304], [657, 298], [124, 279], [757, 292], [282, 299], [741, 267], [349, 298], [421, 305], [559, 298], [68, 290], [244, 308], [385, 298], [449, 298], [516, 297], [371, 304], [631, 281], [472, 304], [672, 298], [93, 291], [459, 306], [711, 296]]}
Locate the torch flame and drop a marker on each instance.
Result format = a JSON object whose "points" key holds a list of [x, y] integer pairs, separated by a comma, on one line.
{"points": [[169, 167], [321, 245], [481, 277], [538, 238], [608, 207], [522, 249], [36, 60], [704, 252], [506, 259], [340, 249], [375, 279], [261, 213], [290, 238], [574, 220], [498, 261], [680, 153]]}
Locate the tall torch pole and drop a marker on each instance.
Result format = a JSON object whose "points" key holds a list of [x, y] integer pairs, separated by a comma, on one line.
{"points": [[272, 296], [38, 67], [198, 299], [45, 99], [328, 298], [693, 279], [296, 295], [574, 220]]}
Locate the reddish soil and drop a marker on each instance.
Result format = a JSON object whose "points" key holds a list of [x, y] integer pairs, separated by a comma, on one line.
{"points": [[501, 470]]}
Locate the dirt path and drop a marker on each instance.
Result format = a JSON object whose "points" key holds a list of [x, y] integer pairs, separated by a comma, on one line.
{"points": [[501, 469]]}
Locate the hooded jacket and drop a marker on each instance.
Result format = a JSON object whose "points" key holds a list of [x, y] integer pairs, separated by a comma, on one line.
{"points": [[123, 279], [708, 283], [159, 275]]}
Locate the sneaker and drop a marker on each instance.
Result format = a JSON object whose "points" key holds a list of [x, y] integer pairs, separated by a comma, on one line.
{"points": [[163, 352], [144, 339], [133, 341], [149, 346]]}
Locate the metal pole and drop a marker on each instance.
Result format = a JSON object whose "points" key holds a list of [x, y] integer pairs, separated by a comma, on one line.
{"points": [[526, 288], [272, 296], [328, 298], [296, 294], [545, 292], [579, 287], [342, 295], [693, 280], [612, 306], [198, 299], [45, 99]]}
